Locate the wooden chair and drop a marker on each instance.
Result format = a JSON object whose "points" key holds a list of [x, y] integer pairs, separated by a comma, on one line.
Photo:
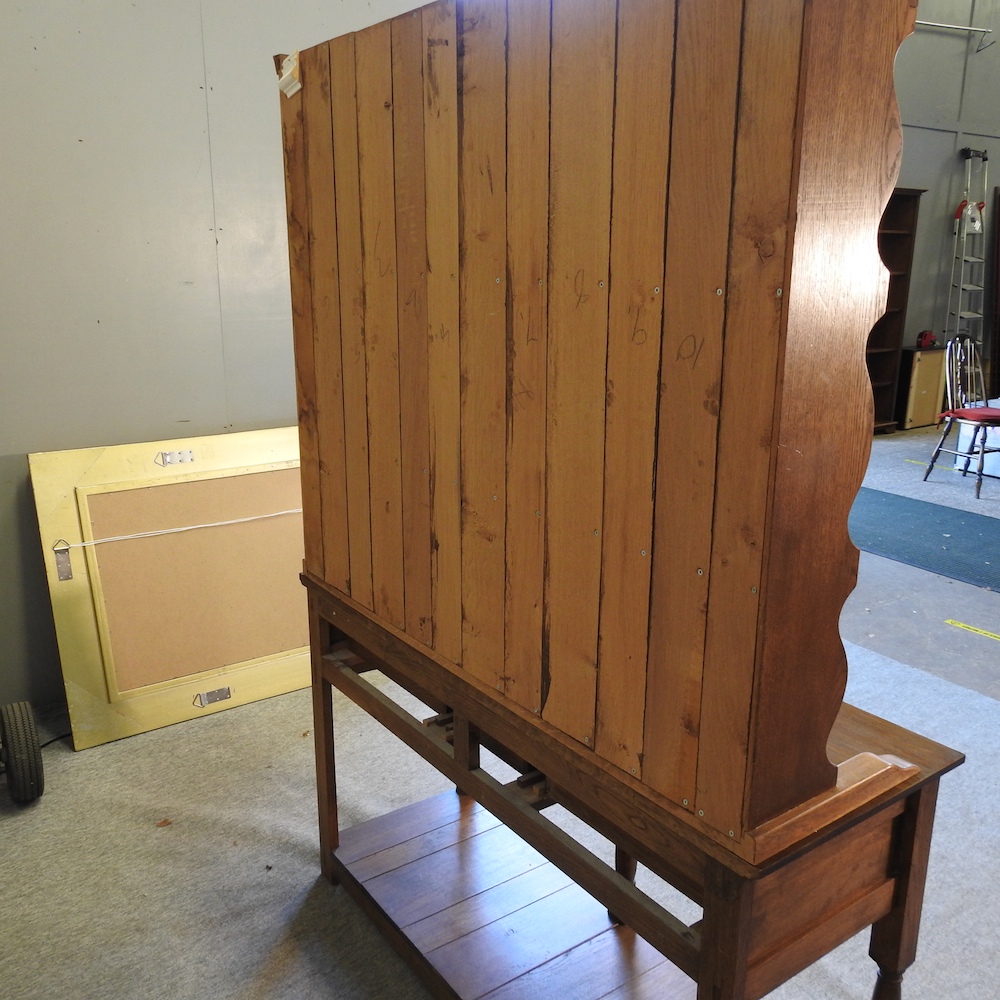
{"points": [[968, 406]]}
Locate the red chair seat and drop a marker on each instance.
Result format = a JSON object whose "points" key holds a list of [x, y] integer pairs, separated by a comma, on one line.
{"points": [[978, 414]]}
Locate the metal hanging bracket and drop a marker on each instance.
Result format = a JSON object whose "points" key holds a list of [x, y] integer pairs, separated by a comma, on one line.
{"points": [[64, 568]]}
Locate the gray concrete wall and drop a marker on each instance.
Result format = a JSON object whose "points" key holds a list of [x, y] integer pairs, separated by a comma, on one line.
{"points": [[144, 286], [949, 98]]}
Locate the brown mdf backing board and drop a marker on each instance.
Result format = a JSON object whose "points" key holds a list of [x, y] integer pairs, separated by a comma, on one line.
{"points": [[179, 602], [173, 569], [580, 338]]}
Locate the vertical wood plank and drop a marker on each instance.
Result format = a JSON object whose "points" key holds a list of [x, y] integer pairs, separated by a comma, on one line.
{"points": [[325, 279], [529, 41], [293, 140], [411, 255], [848, 165], [694, 314], [441, 162], [483, 295], [642, 143], [344, 111], [583, 54], [373, 54], [754, 333]]}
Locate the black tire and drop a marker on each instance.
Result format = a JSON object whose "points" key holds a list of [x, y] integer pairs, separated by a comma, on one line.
{"points": [[22, 756]]}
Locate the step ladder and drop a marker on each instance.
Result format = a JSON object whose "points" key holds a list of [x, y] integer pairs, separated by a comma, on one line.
{"points": [[966, 295]]}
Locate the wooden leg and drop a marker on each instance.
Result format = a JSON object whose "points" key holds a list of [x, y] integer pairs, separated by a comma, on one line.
{"points": [[894, 937], [725, 937], [981, 461], [326, 774], [466, 745], [937, 450], [626, 866]]}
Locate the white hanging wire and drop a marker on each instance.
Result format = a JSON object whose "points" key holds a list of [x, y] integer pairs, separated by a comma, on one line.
{"points": [[63, 544]]}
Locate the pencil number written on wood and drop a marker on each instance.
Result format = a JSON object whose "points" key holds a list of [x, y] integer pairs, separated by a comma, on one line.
{"points": [[690, 348]]}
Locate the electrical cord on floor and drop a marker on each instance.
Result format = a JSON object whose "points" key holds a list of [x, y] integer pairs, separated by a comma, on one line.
{"points": [[55, 739]]}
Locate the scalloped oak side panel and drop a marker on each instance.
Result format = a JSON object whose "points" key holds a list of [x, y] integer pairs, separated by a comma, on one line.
{"points": [[850, 146]]}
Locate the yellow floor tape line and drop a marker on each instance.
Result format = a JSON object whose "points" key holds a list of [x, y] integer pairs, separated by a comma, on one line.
{"points": [[972, 628]]}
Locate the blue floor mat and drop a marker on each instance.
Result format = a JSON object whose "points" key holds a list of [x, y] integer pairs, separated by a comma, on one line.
{"points": [[946, 541]]}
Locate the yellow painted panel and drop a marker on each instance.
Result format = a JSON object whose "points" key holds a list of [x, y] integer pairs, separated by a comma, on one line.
{"points": [[124, 599]]}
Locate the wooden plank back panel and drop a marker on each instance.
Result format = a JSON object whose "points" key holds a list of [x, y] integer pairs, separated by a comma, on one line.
{"points": [[583, 59], [638, 211], [528, 58], [691, 376], [325, 300], [443, 359], [567, 270], [746, 447], [411, 268], [293, 135], [373, 62], [483, 334], [344, 114]]}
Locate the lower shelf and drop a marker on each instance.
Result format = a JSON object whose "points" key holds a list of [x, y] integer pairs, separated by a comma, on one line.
{"points": [[480, 914]]}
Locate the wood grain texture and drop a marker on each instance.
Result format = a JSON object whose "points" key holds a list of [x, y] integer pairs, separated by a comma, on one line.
{"points": [[571, 438], [762, 180], [638, 210], [411, 256], [325, 295], [848, 163], [344, 113], [528, 45], [615, 959], [535, 905], [394, 857], [323, 742], [373, 56], [443, 362], [297, 212], [616, 798], [457, 870], [894, 936], [693, 323], [483, 333], [488, 905], [583, 53], [512, 945]]}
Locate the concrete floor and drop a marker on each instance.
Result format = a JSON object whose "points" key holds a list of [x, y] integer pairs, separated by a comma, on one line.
{"points": [[903, 612]]}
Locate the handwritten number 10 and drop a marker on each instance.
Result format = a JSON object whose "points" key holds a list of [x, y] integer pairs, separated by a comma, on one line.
{"points": [[690, 348]]}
